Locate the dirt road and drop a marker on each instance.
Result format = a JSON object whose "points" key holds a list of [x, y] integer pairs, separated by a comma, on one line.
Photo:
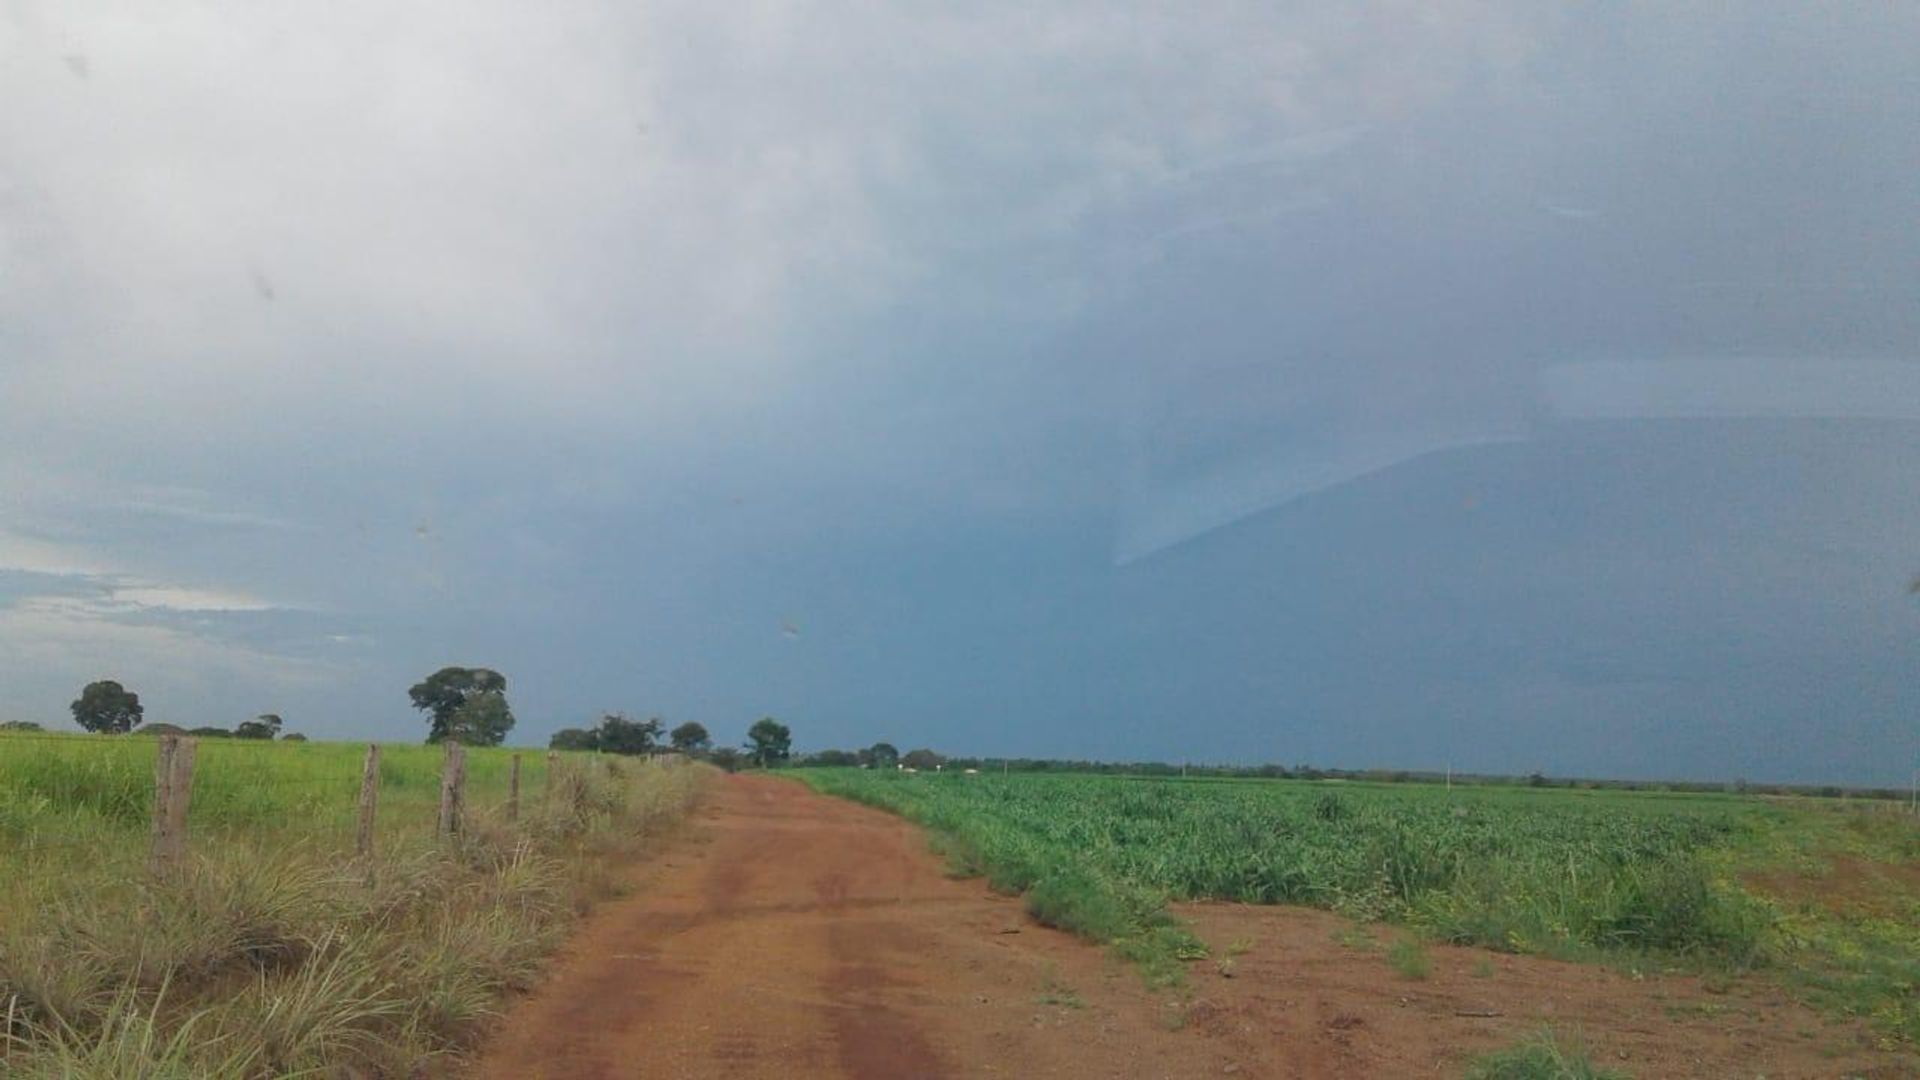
{"points": [[793, 935]]}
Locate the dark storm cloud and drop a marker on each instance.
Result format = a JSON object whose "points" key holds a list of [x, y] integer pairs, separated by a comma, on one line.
{"points": [[1376, 382]]}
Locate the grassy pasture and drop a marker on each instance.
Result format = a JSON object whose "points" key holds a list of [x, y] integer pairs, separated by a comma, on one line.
{"points": [[61, 792], [273, 950], [1645, 879]]}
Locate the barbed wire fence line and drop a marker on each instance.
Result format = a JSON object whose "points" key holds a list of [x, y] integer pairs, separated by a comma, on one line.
{"points": [[170, 812]]}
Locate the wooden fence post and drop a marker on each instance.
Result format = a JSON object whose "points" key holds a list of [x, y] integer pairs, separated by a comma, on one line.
{"points": [[172, 789], [513, 789], [453, 783], [369, 797]]}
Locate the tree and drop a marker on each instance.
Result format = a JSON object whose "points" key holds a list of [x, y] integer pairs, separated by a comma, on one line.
{"points": [[573, 738], [293, 736], [163, 729], [691, 738], [833, 758], [264, 726], [203, 732], [20, 725], [726, 757], [883, 755], [768, 741], [621, 734], [446, 692], [483, 721], [922, 759], [107, 707]]}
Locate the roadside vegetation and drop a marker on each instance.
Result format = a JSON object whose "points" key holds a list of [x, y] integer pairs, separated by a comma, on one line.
{"points": [[1509, 870], [1542, 1056], [1642, 880], [273, 949]]}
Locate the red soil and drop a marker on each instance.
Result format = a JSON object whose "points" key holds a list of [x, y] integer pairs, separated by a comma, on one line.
{"points": [[794, 935]]}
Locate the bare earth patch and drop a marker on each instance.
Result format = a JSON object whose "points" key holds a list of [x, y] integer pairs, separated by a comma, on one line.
{"points": [[1848, 885]]}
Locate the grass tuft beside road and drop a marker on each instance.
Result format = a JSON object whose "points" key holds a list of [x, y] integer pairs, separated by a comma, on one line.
{"points": [[1542, 1056]]}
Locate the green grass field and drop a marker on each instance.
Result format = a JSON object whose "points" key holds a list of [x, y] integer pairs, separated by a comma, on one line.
{"points": [[1645, 879], [273, 949], [61, 792]]}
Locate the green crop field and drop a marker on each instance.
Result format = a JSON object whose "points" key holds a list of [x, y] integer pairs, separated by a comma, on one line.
{"points": [[272, 947], [1649, 879]]}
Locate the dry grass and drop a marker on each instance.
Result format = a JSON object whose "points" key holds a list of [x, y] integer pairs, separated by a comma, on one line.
{"points": [[273, 954]]}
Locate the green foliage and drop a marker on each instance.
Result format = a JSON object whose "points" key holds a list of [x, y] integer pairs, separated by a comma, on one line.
{"points": [[20, 725], [1850, 946], [621, 734], [1061, 889], [465, 704], [198, 733], [691, 738], [617, 734], [484, 720], [1513, 869], [106, 707], [1410, 958], [769, 742], [573, 738], [264, 726], [273, 951], [925, 760], [882, 755], [1539, 1057]]}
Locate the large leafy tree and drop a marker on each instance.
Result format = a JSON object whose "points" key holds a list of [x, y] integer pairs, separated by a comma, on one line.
{"points": [[769, 741], [107, 707], [922, 759], [264, 726], [483, 721], [574, 738], [691, 738], [468, 704], [621, 734], [882, 755], [618, 733]]}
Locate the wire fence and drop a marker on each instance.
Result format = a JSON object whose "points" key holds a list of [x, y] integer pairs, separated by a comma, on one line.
{"points": [[63, 794]]}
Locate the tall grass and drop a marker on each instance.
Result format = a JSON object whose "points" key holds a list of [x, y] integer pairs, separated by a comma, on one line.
{"points": [[272, 950]]}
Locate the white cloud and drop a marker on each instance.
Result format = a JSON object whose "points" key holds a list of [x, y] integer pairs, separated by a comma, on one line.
{"points": [[54, 645]]}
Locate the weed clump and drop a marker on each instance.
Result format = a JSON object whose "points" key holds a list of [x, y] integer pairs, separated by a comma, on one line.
{"points": [[1541, 1056]]}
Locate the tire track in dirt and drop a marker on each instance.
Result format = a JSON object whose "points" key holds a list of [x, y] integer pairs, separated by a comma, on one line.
{"points": [[794, 935]]}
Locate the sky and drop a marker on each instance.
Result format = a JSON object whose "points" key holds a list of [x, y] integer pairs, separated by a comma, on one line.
{"points": [[1494, 385]]}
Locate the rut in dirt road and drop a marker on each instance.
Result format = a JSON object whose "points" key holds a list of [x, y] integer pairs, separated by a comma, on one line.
{"points": [[798, 935]]}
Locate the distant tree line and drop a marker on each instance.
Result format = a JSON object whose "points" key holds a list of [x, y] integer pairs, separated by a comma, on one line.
{"points": [[105, 707], [885, 756], [469, 705], [768, 743]]}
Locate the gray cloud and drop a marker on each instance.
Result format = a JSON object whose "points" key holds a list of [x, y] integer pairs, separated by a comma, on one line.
{"points": [[605, 342]]}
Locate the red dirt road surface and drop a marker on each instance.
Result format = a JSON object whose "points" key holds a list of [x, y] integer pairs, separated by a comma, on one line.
{"points": [[789, 934]]}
